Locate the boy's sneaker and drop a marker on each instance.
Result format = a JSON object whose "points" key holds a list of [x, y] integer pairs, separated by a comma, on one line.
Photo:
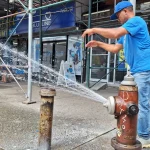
{"points": [[145, 143]]}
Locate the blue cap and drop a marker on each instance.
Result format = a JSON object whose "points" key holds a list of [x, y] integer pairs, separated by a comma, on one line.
{"points": [[119, 7]]}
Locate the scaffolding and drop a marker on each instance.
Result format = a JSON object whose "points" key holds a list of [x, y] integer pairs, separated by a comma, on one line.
{"points": [[27, 8]]}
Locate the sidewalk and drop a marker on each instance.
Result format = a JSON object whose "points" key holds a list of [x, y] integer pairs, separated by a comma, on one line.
{"points": [[78, 123]]}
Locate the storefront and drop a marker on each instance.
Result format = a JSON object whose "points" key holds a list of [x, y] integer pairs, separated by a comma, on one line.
{"points": [[105, 66], [58, 48], [55, 48]]}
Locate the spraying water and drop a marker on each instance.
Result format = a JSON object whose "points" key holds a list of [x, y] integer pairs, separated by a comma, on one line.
{"points": [[45, 76]]}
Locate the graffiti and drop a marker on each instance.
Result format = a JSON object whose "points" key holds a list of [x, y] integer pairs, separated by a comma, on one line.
{"points": [[119, 132], [124, 120], [125, 95], [123, 127]]}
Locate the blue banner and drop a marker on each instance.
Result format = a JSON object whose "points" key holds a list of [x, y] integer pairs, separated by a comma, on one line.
{"points": [[61, 16]]}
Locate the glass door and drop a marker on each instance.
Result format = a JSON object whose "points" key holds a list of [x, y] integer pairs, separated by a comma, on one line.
{"points": [[60, 54], [53, 53], [105, 66], [99, 62], [47, 54], [117, 66]]}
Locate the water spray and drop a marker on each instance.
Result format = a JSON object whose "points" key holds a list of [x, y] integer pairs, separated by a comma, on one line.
{"points": [[12, 75]]}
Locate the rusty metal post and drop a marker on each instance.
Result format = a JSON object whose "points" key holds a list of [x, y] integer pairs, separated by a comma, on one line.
{"points": [[46, 118]]}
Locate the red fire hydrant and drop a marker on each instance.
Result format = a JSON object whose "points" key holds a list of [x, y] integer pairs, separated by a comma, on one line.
{"points": [[125, 108]]}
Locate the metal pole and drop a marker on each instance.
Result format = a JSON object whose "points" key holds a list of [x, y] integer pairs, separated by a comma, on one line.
{"points": [[13, 14], [23, 4], [12, 75], [36, 5], [114, 3], [14, 29], [40, 35], [40, 31], [46, 118], [3, 49], [134, 5], [108, 63], [114, 72], [88, 49], [7, 35], [97, 5], [30, 36]]}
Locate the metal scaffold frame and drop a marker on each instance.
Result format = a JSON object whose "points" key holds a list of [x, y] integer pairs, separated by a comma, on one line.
{"points": [[28, 11]]}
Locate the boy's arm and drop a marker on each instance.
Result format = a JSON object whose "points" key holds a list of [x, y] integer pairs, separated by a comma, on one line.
{"points": [[112, 33], [113, 48]]}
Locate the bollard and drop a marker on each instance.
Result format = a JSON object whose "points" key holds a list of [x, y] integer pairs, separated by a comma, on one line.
{"points": [[125, 108], [46, 118]]}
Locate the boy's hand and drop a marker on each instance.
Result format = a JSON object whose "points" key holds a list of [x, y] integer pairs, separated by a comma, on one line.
{"points": [[92, 43], [87, 32]]}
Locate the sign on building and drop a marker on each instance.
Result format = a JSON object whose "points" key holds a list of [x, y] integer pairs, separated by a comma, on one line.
{"points": [[66, 74], [62, 16], [75, 53]]}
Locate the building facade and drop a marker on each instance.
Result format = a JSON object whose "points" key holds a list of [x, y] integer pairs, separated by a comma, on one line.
{"points": [[57, 34]]}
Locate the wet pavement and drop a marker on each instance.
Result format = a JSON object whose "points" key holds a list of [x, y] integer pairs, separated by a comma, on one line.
{"points": [[78, 123]]}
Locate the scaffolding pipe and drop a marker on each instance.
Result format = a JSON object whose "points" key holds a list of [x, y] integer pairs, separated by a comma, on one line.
{"points": [[36, 5], [7, 25], [114, 71], [134, 5], [23, 4], [114, 4], [30, 38], [27, 17], [88, 49], [12, 75], [15, 29], [40, 32], [12, 14], [4, 62], [40, 36], [54, 4]]}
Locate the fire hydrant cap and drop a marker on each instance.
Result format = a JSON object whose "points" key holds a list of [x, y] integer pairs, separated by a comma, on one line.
{"points": [[128, 80], [110, 105], [133, 109]]}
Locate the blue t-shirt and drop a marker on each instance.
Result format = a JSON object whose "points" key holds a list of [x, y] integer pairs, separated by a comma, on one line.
{"points": [[136, 45]]}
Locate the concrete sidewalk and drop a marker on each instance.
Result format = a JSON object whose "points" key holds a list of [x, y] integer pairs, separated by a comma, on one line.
{"points": [[78, 123]]}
